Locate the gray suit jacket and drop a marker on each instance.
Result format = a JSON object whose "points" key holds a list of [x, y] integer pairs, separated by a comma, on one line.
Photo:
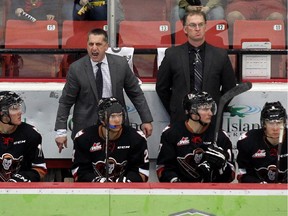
{"points": [[173, 77], [80, 90]]}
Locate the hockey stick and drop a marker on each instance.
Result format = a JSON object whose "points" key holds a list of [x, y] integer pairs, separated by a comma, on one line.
{"points": [[106, 146], [239, 89], [279, 152]]}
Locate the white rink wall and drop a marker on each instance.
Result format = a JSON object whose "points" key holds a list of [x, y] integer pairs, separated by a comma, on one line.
{"points": [[41, 101]]}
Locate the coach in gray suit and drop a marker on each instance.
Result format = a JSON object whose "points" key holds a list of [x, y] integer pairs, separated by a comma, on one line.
{"points": [[81, 90], [176, 75]]}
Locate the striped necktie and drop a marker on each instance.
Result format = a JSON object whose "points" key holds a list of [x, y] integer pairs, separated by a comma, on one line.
{"points": [[198, 71]]}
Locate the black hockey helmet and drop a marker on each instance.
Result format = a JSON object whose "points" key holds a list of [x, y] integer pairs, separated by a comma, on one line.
{"points": [[9, 99], [110, 105], [273, 111], [194, 100]]}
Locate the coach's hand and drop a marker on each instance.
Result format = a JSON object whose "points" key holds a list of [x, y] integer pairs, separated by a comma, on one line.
{"points": [[147, 129], [61, 142]]}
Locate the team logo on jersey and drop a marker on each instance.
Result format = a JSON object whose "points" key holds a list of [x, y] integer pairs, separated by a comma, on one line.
{"points": [[268, 173], [10, 165], [196, 140], [272, 169], [273, 152], [115, 169], [7, 140], [189, 165], [183, 141], [96, 147], [259, 154]]}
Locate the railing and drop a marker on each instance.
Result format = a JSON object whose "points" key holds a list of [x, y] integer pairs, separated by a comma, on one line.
{"points": [[238, 53]]}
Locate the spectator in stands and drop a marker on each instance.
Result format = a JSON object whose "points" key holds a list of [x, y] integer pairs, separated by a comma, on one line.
{"points": [[187, 152], [253, 10], [258, 149], [81, 90], [127, 158], [38, 9], [21, 156], [212, 8], [176, 75], [95, 10]]}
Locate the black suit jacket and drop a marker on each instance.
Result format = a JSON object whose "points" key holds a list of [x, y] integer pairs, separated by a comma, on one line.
{"points": [[80, 90], [173, 77]]}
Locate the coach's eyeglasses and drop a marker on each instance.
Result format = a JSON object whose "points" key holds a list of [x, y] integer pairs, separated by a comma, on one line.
{"points": [[195, 25]]}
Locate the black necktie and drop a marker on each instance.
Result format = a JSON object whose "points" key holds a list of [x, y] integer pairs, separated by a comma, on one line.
{"points": [[198, 71], [99, 81]]}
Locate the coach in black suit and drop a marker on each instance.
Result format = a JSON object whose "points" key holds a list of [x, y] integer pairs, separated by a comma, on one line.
{"points": [[176, 75], [81, 91]]}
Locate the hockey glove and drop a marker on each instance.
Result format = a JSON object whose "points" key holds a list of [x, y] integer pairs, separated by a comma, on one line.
{"points": [[101, 179], [215, 156], [18, 178], [175, 180], [205, 170], [123, 179]]}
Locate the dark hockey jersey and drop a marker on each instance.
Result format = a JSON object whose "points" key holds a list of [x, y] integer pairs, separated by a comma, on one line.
{"points": [[182, 151], [21, 152], [257, 158], [127, 155]]}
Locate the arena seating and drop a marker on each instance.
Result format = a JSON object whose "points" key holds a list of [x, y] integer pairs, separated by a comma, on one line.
{"points": [[154, 10], [25, 34], [74, 33], [22, 34], [268, 31], [145, 35]]}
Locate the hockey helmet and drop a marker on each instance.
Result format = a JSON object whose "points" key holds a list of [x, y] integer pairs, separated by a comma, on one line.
{"points": [[10, 100], [195, 100], [110, 105], [273, 111]]}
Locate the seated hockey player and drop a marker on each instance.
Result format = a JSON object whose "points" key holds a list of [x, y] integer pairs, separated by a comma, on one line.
{"points": [[21, 156], [126, 153], [258, 148], [187, 152]]}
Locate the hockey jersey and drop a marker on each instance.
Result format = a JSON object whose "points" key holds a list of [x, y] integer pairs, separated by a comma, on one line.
{"points": [[257, 158], [21, 152], [182, 151], [127, 155]]}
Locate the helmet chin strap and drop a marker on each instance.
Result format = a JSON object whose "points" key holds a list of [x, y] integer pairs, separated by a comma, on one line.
{"points": [[199, 120], [9, 123]]}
